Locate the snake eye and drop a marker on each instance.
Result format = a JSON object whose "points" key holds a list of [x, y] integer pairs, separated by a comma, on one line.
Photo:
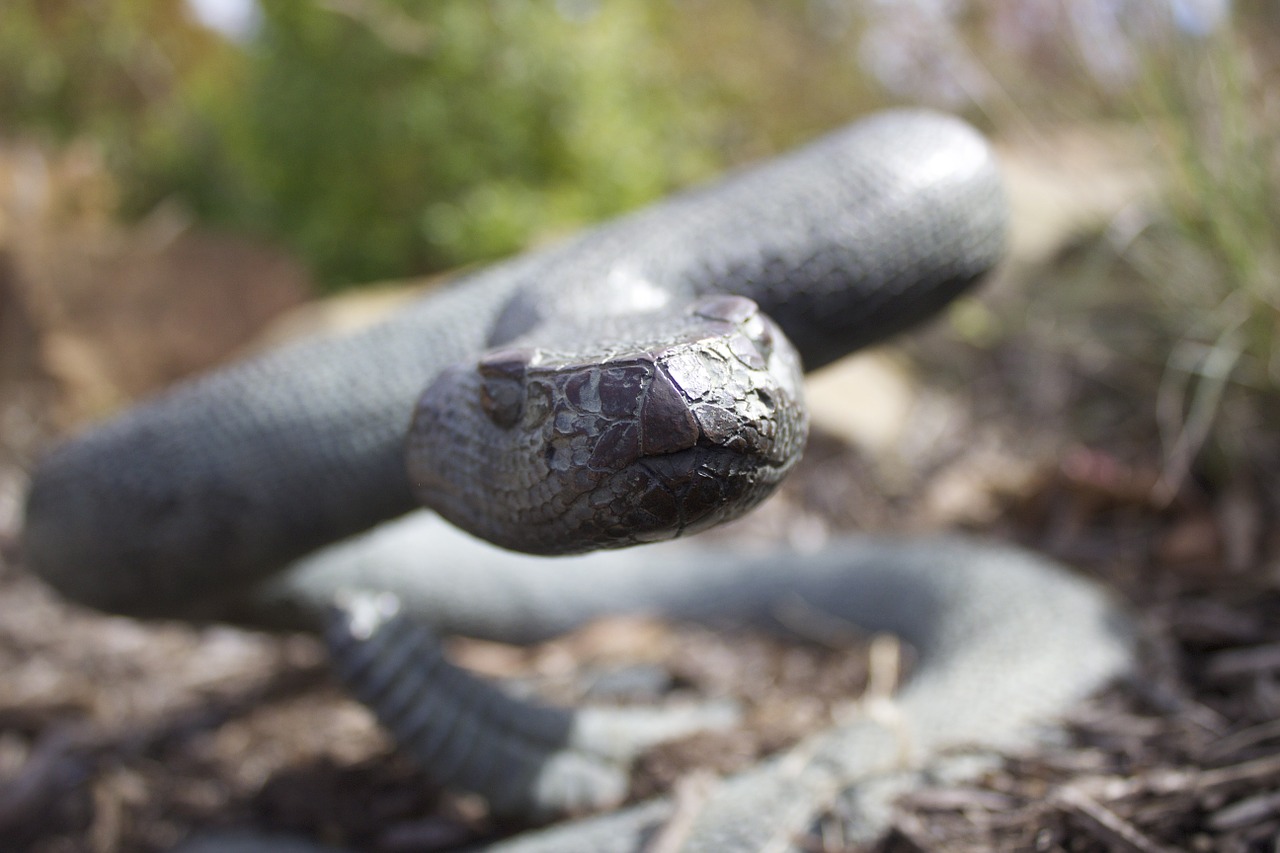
{"points": [[502, 375], [726, 308], [759, 331], [754, 345]]}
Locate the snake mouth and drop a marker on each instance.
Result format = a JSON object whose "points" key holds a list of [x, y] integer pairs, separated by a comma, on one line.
{"points": [[695, 489], [656, 497]]}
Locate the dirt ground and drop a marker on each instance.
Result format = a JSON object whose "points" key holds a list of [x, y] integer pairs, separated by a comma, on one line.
{"points": [[118, 735]]}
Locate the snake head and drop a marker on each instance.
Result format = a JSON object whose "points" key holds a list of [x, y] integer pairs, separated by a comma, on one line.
{"points": [[551, 450]]}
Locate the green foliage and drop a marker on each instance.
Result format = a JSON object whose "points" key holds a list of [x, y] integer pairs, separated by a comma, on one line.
{"points": [[1215, 274], [1214, 117], [384, 138], [473, 127], [389, 136], [114, 72]]}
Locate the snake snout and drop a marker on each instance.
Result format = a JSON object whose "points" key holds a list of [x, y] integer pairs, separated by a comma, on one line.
{"points": [[547, 452]]}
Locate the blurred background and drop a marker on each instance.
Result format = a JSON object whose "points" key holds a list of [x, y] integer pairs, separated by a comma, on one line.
{"points": [[182, 180], [175, 172]]}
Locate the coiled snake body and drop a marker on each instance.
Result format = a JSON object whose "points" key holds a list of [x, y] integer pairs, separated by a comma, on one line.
{"points": [[626, 387]]}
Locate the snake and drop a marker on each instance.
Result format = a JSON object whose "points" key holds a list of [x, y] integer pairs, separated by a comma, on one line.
{"points": [[633, 385]]}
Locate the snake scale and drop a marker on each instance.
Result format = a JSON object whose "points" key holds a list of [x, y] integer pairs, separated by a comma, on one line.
{"points": [[631, 385]]}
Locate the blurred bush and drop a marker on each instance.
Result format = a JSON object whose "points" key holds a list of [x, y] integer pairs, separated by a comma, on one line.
{"points": [[382, 138], [388, 138]]}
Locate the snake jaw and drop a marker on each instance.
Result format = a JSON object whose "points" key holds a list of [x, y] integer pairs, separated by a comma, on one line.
{"points": [[613, 446]]}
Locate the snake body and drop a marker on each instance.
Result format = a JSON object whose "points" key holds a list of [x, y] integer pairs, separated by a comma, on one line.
{"points": [[223, 481], [1005, 640], [635, 377]]}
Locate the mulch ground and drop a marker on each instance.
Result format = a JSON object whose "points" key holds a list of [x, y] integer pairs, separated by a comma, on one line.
{"points": [[117, 735], [120, 735]]}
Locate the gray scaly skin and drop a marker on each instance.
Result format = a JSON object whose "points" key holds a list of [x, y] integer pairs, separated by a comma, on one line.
{"points": [[527, 759], [1006, 641], [180, 503], [187, 504]]}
